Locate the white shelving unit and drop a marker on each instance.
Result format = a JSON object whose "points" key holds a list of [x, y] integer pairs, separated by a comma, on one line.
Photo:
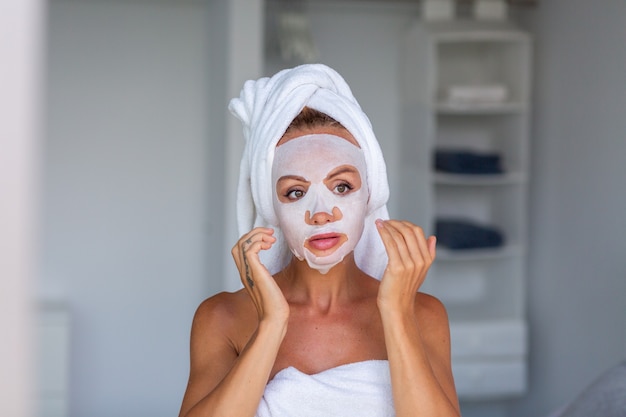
{"points": [[483, 288]]}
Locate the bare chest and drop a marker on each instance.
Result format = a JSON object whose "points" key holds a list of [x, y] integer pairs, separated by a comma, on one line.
{"points": [[314, 343]]}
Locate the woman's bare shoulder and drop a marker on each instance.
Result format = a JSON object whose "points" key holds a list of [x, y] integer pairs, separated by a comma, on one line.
{"points": [[231, 314], [431, 313], [223, 304]]}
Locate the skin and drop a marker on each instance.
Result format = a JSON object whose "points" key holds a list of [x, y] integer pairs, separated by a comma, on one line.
{"points": [[315, 322]]}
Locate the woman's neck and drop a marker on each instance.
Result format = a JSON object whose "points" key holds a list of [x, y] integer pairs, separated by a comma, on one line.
{"points": [[304, 285]]}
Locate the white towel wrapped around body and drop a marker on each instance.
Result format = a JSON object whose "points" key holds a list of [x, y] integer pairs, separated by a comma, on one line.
{"points": [[266, 107], [358, 389]]}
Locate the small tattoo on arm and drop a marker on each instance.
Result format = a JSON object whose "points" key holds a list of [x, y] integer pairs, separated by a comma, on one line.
{"points": [[248, 277]]}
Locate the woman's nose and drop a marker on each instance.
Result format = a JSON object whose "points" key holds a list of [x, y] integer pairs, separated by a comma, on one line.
{"points": [[322, 217], [322, 208]]}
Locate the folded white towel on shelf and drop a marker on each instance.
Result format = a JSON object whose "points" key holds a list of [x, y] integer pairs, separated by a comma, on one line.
{"points": [[266, 107], [477, 94], [358, 389]]}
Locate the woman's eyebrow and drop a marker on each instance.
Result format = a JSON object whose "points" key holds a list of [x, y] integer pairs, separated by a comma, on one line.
{"points": [[292, 177], [342, 170]]}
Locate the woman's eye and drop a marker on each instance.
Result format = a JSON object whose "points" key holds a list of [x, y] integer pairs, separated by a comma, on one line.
{"points": [[294, 194], [343, 188]]}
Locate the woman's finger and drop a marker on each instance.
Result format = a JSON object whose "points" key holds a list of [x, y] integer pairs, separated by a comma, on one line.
{"points": [[245, 253], [245, 243], [390, 242], [407, 247], [432, 247], [421, 244], [406, 242]]}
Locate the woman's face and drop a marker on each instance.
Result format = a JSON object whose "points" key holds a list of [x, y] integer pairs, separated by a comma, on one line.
{"points": [[321, 197]]}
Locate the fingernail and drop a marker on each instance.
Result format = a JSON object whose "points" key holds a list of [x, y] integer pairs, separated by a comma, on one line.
{"points": [[379, 222]]}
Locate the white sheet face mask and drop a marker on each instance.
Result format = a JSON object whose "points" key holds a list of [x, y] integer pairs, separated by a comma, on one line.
{"points": [[320, 197]]}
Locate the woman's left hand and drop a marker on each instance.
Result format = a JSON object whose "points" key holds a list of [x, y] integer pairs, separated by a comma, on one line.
{"points": [[410, 256]]}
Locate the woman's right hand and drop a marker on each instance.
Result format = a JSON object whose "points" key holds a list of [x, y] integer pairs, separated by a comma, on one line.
{"points": [[261, 286], [225, 379]]}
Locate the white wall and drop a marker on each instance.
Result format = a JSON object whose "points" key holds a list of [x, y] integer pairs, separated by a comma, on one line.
{"points": [[126, 220], [242, 37]]}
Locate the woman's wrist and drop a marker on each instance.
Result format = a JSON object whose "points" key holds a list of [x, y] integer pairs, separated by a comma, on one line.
{"points": [[273, 327], [395, 308]]}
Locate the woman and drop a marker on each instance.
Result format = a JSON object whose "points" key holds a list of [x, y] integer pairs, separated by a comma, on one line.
{"points": [[331, 322]]}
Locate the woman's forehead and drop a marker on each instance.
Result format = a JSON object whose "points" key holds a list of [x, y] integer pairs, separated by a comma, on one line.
{"points": [[329, 130], [316, 155]]}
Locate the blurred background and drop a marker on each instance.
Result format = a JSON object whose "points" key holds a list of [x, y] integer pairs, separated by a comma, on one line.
{"points": [[119, 214]]}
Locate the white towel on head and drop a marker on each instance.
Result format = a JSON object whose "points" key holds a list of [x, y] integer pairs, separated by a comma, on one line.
{"points": [[266, 107], [358, 389]]}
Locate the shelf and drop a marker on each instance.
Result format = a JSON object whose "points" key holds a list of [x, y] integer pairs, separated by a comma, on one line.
{"points": [[472, 31], [443, 107], [485, 338], [490, 379], [479, 180], [483, 289], [488, 357], [486, 254]]}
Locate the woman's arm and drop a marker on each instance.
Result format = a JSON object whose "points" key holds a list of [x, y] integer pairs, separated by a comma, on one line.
{"points": [[415, 326], [223, 381]]}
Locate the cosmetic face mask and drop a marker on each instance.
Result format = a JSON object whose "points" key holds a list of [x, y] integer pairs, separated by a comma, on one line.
{"points": [[320, 197]]}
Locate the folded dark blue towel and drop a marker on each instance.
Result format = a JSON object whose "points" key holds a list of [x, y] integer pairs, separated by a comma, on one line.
{"points": [[466, 234], [467, 162]]}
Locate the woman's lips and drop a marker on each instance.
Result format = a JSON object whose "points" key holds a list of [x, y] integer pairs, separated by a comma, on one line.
{"points": [[326, 241]]}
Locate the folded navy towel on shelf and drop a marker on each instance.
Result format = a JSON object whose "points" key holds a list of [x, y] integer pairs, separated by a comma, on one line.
{"points": [[466, 234], [467, 162]]}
